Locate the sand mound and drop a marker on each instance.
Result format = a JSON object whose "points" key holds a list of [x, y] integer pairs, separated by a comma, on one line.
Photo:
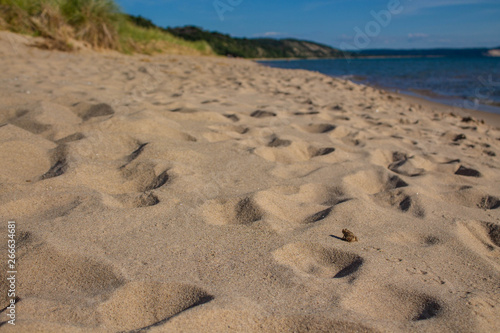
{"points": [[391, 304], [231, 211], [144, 304], [318, 261], [373, 181], [49, 269]]}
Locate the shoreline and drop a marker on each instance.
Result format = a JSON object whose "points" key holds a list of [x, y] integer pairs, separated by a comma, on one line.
{"points": [[369, 57], [340, 58], [487, 112], [490, 118]]}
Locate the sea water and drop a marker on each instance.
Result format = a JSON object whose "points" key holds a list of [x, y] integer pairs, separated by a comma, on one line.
{"points": [[472, 83]]}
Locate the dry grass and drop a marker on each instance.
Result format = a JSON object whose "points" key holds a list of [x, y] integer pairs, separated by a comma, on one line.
{"points": [[94, 21], [51, 25], [40, 18]]}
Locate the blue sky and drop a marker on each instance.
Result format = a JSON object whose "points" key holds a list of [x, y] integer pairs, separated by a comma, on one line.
{"points": [[349, 24]]}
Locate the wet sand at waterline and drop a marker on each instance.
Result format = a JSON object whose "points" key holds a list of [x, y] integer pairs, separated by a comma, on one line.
{"points": [[197, 194]]}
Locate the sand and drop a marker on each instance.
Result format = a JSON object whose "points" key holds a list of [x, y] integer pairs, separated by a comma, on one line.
{"points": [[187, 194]]}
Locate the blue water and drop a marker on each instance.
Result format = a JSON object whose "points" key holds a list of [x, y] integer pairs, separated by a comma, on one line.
{"points": [[472, 83]]}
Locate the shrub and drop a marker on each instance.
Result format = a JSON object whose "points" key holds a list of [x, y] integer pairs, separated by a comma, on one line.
{"points": [[94, 21], [38, 17]]}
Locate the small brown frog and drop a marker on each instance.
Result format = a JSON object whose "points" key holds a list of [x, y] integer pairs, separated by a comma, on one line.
{"points": [[349, 236]]}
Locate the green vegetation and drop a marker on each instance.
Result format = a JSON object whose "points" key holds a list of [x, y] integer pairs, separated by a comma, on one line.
{"points": [[139, 39], [96, 22], [247, 48], [256, 47]]}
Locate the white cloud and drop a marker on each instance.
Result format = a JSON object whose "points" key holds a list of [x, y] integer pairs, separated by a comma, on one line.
{"points": [[269, 34]]}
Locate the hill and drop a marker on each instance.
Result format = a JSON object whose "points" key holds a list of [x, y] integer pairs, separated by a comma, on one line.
{"points": [[223, 44]]}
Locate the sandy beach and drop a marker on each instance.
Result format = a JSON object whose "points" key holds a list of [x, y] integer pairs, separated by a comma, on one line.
{"points": [[201, 194]]}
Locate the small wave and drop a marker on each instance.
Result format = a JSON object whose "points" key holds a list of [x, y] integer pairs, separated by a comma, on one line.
{"points": [[352, 77]]}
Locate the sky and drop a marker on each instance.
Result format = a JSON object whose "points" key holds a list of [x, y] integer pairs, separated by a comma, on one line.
{"points": [[345, 24]]}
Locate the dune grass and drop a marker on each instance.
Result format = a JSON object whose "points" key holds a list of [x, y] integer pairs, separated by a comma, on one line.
{"points": [[94, 21], [99, 23], [135, 39]]}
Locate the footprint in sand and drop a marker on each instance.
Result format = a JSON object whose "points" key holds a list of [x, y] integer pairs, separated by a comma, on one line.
{"points": [[416, 239], [374, 180], [403, 202], [144, 177], [157, 182], [403, 165], [314, 152], [149, 122], [71, 138], [307, 113], [87, 111], [318, 261], [481, 236], [283, 208], [420, 164], [469, 196], [232, 117], [139, 200], [231, 211], [318, 128], [135, 154], [394, 304], [493, 232], [488, 202], [289, 151], [262, 114], [225, 132], [25, 120], [467, 172], [209, 101], [398, 162], [44, 118], [454, 138], [26, 156], [59, 163], [293, 208], [342, 131], [184, 110], [277, 142]]}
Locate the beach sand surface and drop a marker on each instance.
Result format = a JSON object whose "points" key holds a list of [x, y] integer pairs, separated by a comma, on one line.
{"points": [[200, 194]]}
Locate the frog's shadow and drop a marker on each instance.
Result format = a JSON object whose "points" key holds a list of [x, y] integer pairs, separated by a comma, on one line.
{"points": [[337, 237]]}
